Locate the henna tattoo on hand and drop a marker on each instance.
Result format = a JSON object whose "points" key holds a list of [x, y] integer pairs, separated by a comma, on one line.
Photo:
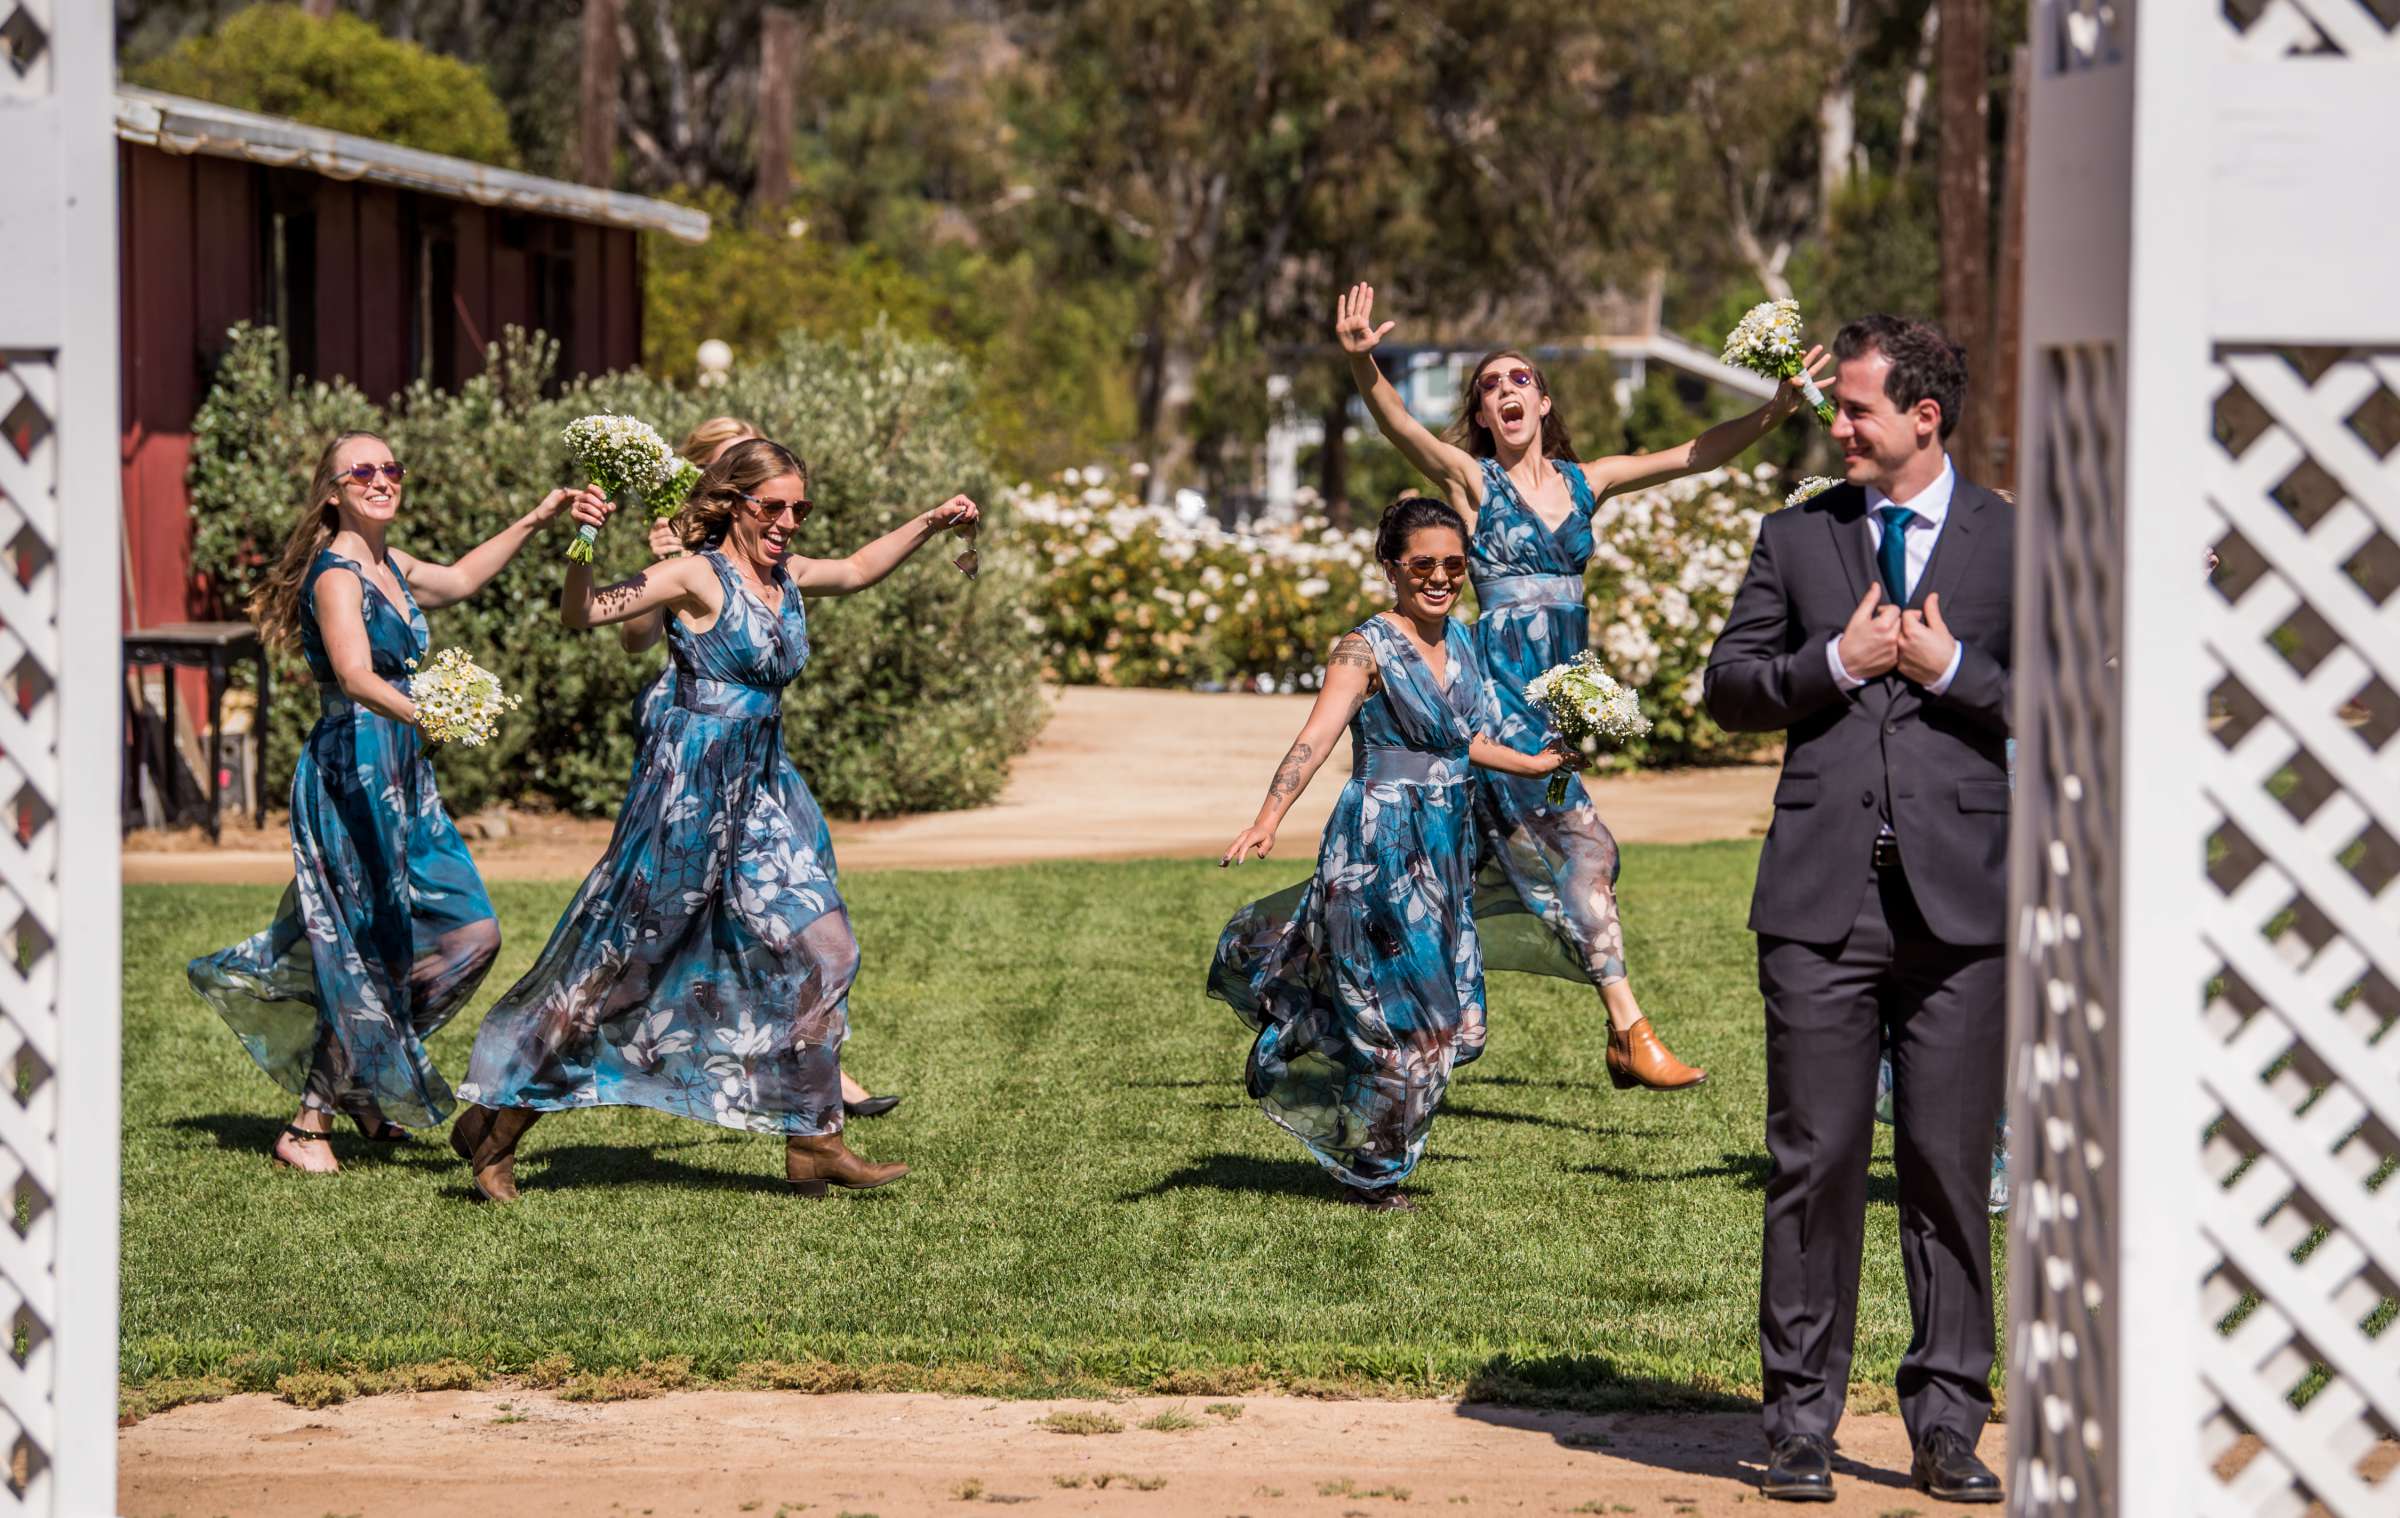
{"points": [[1290, 774]]}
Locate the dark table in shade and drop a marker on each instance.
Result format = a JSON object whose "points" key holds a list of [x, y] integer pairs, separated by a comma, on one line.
{"points": [[215, 647]]}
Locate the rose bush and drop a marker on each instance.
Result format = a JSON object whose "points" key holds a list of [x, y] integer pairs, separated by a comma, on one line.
{"points": [[1136, 595]]}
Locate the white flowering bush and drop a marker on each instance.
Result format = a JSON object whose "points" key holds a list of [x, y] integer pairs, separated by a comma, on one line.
{"points": [[1665, 565], [1135, 595]]}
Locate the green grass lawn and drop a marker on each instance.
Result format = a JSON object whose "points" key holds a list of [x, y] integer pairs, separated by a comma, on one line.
{"points": [[1095, 1204]]}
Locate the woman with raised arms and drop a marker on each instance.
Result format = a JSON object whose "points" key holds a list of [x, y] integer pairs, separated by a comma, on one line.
{"points": [[1510, 470], [704, 968]]}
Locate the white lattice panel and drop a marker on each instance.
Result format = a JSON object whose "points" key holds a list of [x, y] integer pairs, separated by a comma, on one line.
{"points": [[2301, 1066], [2063, 1251], [60, 715]]}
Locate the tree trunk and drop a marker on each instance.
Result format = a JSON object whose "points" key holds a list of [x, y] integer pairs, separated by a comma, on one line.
{"points": [[598, 112], [321, 8], [1963, 186], [1912, 93], [778, 84], [2008, 320], [1333, 458], [1837, 121]]}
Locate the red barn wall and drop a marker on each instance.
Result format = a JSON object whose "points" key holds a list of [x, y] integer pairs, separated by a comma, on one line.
{"points": [[192, 239]]}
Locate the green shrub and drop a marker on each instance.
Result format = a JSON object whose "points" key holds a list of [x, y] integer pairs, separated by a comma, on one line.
{"points": [[340, 73], [919, 693]]}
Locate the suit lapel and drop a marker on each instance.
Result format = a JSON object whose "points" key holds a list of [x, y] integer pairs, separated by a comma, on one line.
{"points": [[1954, 550], [1847, 522]]}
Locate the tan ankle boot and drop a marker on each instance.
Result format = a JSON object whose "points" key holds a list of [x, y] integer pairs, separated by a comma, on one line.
{"points": [[813, 1162], [495, 1162], [467, 1131], [1637, 1056]]}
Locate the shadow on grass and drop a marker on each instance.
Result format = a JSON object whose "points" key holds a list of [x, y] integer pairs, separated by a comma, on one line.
{"points": [[1649, 1420], [248, 1133], [1749, 1170], [1245, 1173], [568, 1167]]}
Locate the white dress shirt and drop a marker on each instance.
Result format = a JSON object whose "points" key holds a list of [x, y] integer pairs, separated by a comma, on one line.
{"points": [[1932, 508]]}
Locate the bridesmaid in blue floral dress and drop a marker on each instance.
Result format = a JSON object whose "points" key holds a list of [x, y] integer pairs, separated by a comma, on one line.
{"points": [[703, 446], [1365, 982], [385, 931], [1510, 470], [704, 968]]}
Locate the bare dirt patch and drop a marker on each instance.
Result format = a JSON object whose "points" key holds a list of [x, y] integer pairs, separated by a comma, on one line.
{"points": [[1118, 774], [531, 1455]]}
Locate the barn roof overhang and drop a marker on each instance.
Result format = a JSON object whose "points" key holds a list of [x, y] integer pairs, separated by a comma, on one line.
{"points": [[175, 124]]}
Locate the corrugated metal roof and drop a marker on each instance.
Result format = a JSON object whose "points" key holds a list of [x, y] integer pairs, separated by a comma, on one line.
{"points": [[175, 124]]}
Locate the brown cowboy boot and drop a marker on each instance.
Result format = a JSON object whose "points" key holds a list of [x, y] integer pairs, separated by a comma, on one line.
{"points": [[495, 1162], [811, 1162], [467, 1131], [1637, 1056]]}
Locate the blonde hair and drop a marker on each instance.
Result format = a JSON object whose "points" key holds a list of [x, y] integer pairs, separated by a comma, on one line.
{"points": [[742, 468], [713, 434], [275, 606]]}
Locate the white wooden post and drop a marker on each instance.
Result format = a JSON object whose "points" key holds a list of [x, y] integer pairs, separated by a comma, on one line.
{"points": [[2206, 1080], [61, 712]]}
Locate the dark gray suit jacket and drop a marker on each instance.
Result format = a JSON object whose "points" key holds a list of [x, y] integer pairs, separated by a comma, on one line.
{"points": [[1940, 760]]}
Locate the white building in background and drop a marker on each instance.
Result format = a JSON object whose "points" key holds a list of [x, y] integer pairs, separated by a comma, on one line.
{"points": [[1428, 377]]}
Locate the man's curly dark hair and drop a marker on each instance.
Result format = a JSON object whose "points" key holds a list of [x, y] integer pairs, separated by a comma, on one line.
{"points": [[1925, 364]]}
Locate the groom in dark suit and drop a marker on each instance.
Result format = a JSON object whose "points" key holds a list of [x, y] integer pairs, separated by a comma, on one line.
{"points": [[1873, 630]]}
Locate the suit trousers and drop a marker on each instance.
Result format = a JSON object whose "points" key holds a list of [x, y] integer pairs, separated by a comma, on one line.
{"points": [[1827, 1008]]}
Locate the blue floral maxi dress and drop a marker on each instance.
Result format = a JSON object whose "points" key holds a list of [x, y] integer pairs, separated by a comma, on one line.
{"points": [[704, 968], [1547, 901], [1365, 983], [385, 930]]}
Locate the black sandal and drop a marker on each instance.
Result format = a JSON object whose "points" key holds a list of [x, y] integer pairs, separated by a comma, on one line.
{"points": [[305, 1137]]}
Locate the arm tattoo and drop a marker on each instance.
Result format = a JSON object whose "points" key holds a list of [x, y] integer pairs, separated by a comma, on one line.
{"points": [[1352, 652], [1292, 773]]}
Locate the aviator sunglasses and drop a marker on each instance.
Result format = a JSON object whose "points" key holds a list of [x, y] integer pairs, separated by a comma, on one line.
{"points": [[1521, 378], [769, 511], [365, 474], [1423, 565]]}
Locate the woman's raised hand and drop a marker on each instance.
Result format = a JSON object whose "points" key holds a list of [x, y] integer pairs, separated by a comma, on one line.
{"points": [[1354, 321], [588, 506], [665, 542], [954, 513], [1251, 840], [552, 504], [1792, 394]]}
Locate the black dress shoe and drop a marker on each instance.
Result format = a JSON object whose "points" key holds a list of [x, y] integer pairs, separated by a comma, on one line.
{"points": [[1946, 1467], [873, 1106], [1800, 1469]]}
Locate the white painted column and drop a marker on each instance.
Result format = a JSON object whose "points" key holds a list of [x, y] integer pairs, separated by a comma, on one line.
{"points": [[60, 715], [2205, 1077]]}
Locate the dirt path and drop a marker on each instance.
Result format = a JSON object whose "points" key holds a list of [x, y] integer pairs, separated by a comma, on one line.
{"points": [[529, 1455], [1118, 774]]}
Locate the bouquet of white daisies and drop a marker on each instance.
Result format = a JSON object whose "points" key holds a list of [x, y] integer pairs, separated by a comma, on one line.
{"points": [[1809, 489], [1767, 340], [458, 700], [1586, 704], [621, 454]]}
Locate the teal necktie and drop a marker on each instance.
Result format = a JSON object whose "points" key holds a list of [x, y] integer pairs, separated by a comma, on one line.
{"points": [[1892, 557]]}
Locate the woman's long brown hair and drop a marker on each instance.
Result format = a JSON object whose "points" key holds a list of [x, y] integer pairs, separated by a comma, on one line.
{"points": [[704, 519], [1468, 431], [275, 606]]}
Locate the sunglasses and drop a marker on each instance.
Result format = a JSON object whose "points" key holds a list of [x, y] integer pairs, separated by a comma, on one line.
{"points": [[365, 474], [1521, 378], [769, 511], [1423, 565]]}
